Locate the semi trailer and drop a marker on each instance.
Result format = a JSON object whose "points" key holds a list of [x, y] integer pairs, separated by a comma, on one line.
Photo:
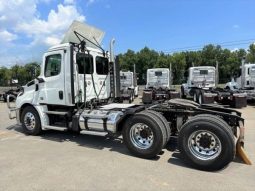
{"points": [[77, 91], [158, 86], [245, 80], [201, 86]]}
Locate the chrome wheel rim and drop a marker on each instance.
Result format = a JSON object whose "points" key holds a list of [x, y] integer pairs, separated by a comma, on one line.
{"points": [[141, 136], [29, 121], [204, 145]]}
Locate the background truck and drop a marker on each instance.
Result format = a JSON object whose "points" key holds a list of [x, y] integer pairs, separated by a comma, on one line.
{"points": [[76, 91], [12, 90], [201, 85], [158, 86], [245, 80], [128, 85]]}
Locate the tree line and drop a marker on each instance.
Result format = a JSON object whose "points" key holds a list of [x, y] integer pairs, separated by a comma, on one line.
{"points": [[22, 73], [229, 62]]}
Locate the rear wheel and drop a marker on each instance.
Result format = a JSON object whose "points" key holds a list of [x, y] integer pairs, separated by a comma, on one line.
{"points": [[195, 97], [207, 142], [163, 120], [144, 135], [30, 120], [200, 99], [183, 96]]}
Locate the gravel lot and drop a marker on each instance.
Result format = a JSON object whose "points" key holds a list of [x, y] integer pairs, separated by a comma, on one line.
{"points": [[63, 161]]}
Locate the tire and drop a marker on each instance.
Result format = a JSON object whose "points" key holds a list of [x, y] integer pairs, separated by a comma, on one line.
{"points": [[164, 121], [218, 140], [201, 98], [31, 122], [133, 97], [137, 146], [158, 119], [195, 97], [183, 96]]}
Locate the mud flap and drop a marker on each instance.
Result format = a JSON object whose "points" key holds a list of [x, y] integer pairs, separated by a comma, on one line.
{"points": [[240, 146], [241, 153]]}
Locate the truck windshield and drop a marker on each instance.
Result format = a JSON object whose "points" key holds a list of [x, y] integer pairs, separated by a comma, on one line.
{"points": [[80, 58], [102, 65]]}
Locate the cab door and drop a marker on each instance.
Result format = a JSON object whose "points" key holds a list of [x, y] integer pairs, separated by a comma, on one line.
{"points": [[53, 88], [102, 79]]}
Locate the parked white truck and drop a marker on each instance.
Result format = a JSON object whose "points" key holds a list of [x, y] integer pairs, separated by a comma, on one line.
{"points": [[158, 86], [76, 91], [201, 85], [245, 81], [128, 86]]}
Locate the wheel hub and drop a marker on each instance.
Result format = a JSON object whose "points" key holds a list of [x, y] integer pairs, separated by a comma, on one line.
{"points": [[29, 121], [205, 141], [141, 136], [204, 145]]}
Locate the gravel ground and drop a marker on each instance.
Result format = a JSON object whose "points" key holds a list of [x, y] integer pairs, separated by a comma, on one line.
{"points": [[63, 161]]}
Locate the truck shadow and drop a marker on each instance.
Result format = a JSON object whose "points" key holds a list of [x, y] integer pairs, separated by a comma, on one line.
{"points": [[90, 141], [178, 160]]}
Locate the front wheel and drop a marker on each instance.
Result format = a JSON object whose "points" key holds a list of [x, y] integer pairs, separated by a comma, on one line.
{"points": [[30, 120], [206, 142]]}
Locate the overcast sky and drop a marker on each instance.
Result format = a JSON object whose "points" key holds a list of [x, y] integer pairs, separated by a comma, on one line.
{"points": [[30, 27]]}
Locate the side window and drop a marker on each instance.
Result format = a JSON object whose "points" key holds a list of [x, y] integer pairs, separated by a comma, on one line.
{"points": [[52, 65], [80, 58], [102, 65], [248, 71]]}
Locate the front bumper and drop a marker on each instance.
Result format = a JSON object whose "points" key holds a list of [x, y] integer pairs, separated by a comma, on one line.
{"points": [[14, 112]]}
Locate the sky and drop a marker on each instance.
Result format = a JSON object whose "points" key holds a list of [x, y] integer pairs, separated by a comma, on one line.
{"points": [[29, 27]]}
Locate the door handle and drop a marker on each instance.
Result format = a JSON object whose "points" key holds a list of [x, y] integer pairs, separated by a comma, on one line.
{"points": [[61, 94]]}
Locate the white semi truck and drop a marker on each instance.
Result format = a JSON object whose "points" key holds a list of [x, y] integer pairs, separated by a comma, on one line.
{"points": [[201, 85], [76, 91], [245, 81], [158, 86], [128, 85]]}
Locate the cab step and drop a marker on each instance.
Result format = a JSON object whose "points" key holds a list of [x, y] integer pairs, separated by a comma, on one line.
{"points": [[56, 112], [55, 128]]}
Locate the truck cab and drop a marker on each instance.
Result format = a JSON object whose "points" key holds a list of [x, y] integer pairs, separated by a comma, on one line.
{"points": [[245, 81], [128, 85], [158, 78], [61, 79], [201, 76], [158, 86]]}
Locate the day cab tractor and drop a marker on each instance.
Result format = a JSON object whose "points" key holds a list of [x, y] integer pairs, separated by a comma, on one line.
{"points": [[245, 81], [128, 85], [201, 85], [77, 91], [158, 86]]}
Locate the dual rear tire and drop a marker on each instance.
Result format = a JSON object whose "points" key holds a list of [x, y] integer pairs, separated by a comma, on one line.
{"points": [[207, 142], [145, 134]]}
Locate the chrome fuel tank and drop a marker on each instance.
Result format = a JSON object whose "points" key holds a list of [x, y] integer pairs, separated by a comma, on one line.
{"points": [[99, 120]]}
